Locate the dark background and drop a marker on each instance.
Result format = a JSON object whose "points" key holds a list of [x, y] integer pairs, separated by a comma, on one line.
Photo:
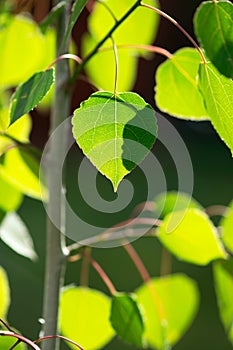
{"points": [[213, 170]]}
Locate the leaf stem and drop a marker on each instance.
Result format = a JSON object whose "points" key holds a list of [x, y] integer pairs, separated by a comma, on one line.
{"points": [[65, 56], [116, 65], [58, 337], [173, 21], [105, 38], [84, 276], [20, 338], [101, 273], [150, 48], [137, 261]]}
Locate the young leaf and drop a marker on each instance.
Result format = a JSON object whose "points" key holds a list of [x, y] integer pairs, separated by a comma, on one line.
{"points": [[217, 93], [15, 234], [191, 236], [177, 90], [169, 317], [29, 94], [84, 317], [223, 275], [76, 11], [101, 68], [227, 229], [27, 177], [126, 318], [169, 202], [213, 23], [4, 294], [115, 132]]}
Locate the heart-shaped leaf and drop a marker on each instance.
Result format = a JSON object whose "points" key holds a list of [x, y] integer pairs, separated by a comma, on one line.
{"points": [[4, 294], [223, 275], [170, 304], [29, 94], [227, 229], [217, 93], [191, 236], [126, 318], [115, 131], [177, 90], [84, 317], [15, 234], [213, 23]]}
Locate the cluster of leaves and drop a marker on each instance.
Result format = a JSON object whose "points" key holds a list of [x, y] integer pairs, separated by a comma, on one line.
{"points": [[120, 131]]}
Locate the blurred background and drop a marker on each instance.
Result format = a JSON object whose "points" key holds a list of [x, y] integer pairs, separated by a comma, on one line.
{"points": [[213, 173]]}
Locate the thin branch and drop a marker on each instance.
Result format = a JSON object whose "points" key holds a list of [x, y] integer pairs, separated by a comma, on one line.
{"points": [[21, 338], [137, 261], [65, 56], [106, 37], [102, 274], [216, 210], [59, 337], [149, 48], [166, 262], [108, 9], [173, 21], [6, 325]]}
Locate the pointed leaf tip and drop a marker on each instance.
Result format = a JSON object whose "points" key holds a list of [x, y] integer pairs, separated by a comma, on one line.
{"points": [[115, 132]]}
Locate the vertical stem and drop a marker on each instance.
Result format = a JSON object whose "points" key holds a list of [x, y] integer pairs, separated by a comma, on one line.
{"points": [[55, 246]]}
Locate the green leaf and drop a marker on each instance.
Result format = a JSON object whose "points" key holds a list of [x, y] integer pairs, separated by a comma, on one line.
{"points": [[29, 94], [191, 236], [53, 14], [223, 275], [4, 294], [15, 234], [27, 177], [170, 304], [177, 90], [213, 23], [217, 92], [101, 68], [77, 8], [115, 132], [226, 225], [34, 51], [84, 317], [169, 202], [126, 318]]}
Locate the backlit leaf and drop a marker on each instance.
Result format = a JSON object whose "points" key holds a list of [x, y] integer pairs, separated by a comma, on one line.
{"points": [[213, 25], [8, 342], [223, 275], [115, 132], [26, 178], [4, 294], [217, 91], [29, 94], [15, 234], [126, 318], [25, 53], [10, 198], [177, 90], [227, 229], [169, 202], [101, 68], [191, 237], [84, 317], [170, 304]]}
